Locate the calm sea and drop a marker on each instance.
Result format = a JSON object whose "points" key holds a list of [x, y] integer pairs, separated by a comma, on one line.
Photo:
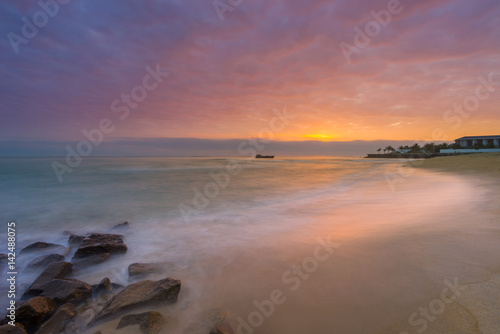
{"points": [[236, 230]]}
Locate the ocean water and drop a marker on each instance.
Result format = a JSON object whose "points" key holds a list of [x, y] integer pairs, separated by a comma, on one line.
{"points": [[348, 245]]}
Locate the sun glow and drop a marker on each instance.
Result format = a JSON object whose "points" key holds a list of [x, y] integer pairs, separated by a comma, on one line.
{"points": [[320, 137]]}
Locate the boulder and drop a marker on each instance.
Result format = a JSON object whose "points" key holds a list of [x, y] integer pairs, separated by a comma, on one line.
{"points": [[8, 329], [224, 328], [122, 226], [43, 247], [210, 322], [75, 240], [104, 286], [67, 291], [141, 294], [149, 322], [34, 312], [86, 313], [90, 260], [59, 320], [4, 258], [98, 243], [43, 261], [55, 270], [140, 270]]}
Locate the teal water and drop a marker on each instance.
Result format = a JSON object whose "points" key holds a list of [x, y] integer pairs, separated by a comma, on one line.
{"points": [[104, 191]]}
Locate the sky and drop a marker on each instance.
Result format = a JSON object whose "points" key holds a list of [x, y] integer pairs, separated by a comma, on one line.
{"points": [[199, 76]]}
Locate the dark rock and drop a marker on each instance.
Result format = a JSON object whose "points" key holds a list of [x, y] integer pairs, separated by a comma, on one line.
{"points": [[8, 329], [149, 322], [97, 243], [140, 270], [141, 294], [55, 270], [224, 328], [91, 260], [43, 246], [59, 320], [86, 313], [34, 312], [75, 240], [104, 286], [210, 322], [70, 290], [4, 258], [122, 226], [43, 261]]}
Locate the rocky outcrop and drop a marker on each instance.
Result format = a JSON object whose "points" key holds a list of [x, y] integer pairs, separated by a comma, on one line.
{"points": [[122, 226], [70, 290], [34, 312], [98, 243], [75, 240], [210, 322], [141, 270], [3, 258], [149, 322], [224, 328], [43, 247], [104, 286], [8, 329], [141, 294], [55, 270], [90, 260], [59, 320], [43, 261]]}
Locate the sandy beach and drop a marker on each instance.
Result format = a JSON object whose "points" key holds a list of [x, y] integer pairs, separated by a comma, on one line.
{"points": [[482, 165], [477, 309]]}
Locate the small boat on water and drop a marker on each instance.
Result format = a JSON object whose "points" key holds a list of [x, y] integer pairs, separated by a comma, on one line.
{"points": [[259, 156]]}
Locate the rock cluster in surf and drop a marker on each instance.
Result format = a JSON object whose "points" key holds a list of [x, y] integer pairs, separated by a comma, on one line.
{"points": [[57, 302]]}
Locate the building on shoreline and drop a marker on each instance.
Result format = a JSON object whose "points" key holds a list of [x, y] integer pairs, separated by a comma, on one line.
{"points": [[475, 141], [475, 144]]}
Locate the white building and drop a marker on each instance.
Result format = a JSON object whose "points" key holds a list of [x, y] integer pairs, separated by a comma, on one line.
{"points": [[471, 142], [476, 144]]}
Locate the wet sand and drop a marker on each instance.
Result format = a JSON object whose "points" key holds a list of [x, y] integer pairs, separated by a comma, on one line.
{"points": [[477, 309]]}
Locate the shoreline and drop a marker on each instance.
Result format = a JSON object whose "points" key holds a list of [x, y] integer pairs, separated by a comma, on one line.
{"points": [[397, 255], [479, 163], [481, 298]]}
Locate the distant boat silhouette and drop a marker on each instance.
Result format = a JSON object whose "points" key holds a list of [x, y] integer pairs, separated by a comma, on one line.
{"points": [[259, 156]]}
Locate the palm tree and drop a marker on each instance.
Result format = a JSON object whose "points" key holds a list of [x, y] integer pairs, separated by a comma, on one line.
{"points": [[430, 148], [389, 149], [416, 148], [379, 150]]}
